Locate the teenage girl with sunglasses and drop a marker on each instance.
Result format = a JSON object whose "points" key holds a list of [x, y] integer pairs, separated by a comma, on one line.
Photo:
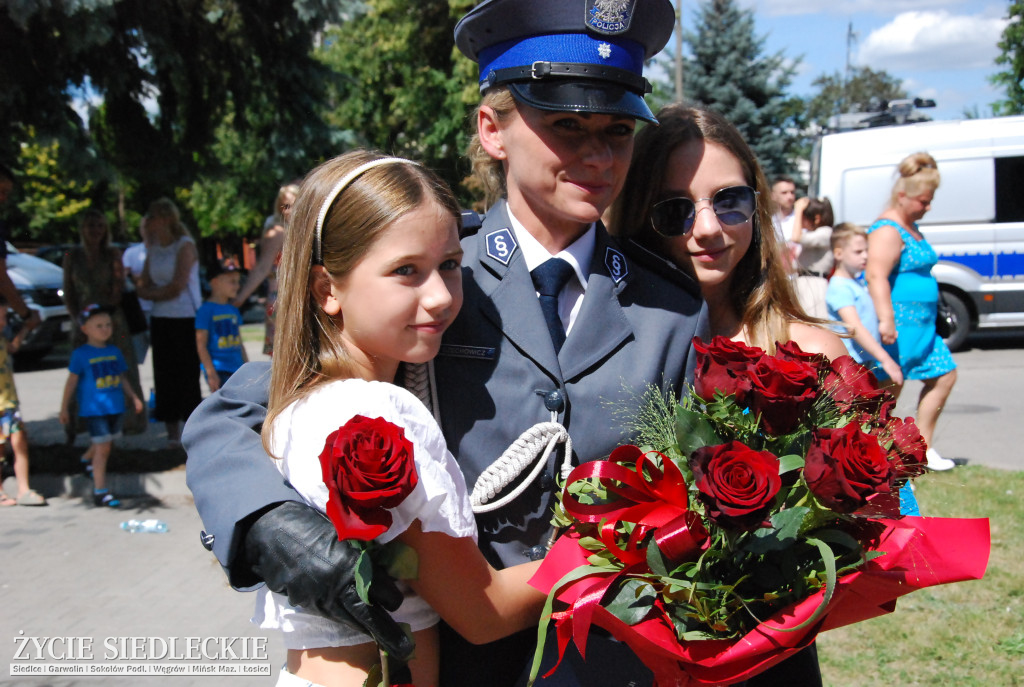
{"points": [[695, 194]]}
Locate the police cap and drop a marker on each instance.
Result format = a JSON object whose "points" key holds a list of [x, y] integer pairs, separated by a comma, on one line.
{"points": [[568, 55]]}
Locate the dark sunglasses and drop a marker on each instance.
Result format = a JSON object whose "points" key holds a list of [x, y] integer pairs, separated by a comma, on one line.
{"points": [[732, 205]]}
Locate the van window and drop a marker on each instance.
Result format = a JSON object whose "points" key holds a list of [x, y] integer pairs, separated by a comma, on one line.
{"points": [[1009, 199]]}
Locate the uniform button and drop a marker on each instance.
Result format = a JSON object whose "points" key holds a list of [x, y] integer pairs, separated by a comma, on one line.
{"points": [[206, 540], [536, 553], [555, 401], [546, 482]]}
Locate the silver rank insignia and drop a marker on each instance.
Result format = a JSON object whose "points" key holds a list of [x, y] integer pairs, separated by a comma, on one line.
{"points": [[501, 245], [616, 264], [609, 17]]}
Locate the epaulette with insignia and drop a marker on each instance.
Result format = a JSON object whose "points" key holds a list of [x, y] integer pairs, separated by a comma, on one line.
{"points": [[653, 262]]}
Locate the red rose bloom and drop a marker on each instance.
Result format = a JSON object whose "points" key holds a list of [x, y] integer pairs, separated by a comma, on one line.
{"points": [[908, 447], [724, 365], [783, 393], [845, 468], [791, 351], [737, 484], [368, 467], [851, 384]]}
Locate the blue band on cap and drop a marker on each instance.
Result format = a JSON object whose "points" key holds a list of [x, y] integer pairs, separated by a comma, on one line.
{"points": [[578, 48]]}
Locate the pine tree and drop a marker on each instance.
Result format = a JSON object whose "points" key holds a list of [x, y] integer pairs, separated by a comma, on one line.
{"points": [[729, 72]]}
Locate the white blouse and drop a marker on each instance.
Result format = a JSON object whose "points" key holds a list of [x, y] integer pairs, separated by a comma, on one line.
{"points": [[440, 500]]}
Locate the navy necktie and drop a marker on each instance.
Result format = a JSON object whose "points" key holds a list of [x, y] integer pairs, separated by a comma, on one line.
{"points": [[549, 278]]}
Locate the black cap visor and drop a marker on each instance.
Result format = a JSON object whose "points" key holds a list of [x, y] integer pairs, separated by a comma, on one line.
{"points": [[564, 95]]}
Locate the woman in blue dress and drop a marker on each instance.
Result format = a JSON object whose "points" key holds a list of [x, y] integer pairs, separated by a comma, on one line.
{"points": [[906, 295]]}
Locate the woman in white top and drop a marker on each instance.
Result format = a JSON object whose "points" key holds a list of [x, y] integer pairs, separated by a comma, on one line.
{"points": [[170, 279], [812, 235]]}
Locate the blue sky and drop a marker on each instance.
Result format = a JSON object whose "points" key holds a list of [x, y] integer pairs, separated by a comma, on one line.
{"points": [[940, 49]]}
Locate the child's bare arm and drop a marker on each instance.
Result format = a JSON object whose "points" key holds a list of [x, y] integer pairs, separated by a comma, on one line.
{"points": [[480, 603], [202, 339], [862, 336], [69, 391]]}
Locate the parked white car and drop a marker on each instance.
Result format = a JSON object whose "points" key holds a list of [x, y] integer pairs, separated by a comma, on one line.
{"points": [[41, 285]]}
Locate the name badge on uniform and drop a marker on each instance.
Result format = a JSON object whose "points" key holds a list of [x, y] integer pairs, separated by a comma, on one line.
{"points": [[501, 245], [472, 352], [616, 264], [609, 16]]}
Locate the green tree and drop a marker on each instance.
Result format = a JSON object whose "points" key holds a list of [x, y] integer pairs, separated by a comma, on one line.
{"points": [[402, 87], [729, 72], [49, 199], [169, 74], [1011, 58], [835, 94]]}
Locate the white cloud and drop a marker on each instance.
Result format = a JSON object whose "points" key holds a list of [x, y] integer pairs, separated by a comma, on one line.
{"points": [[844, 7], [932, 41]]}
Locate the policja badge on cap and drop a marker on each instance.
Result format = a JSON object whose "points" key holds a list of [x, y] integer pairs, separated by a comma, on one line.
{"points": [[568, 55]]}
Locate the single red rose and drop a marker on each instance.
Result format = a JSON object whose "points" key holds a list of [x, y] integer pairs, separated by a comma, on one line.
{"points": [[845, 468], [724, 366], [789, 350], [852, 385], [783, 392], [908, 446], [737, 484], [368, 467]]}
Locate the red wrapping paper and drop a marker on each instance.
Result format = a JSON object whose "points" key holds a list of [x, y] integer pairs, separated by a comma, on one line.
{"points": [[919, 553]]}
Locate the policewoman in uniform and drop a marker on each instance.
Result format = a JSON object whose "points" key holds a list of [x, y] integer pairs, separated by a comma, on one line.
{"points": [[559, 322]]}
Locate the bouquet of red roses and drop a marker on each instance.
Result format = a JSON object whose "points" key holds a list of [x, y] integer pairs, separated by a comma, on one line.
{"points": [[762, 509]]}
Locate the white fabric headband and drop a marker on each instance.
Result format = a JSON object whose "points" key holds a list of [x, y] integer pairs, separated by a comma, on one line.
{"points": [[318, 257]]}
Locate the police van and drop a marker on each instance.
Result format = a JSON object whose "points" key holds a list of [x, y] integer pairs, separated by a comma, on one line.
{"points": [[976, 222]]}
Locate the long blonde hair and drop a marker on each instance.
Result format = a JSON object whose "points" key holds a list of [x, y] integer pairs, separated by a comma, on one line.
{"points": [[761, 292], [308, 350], [918, 173]]}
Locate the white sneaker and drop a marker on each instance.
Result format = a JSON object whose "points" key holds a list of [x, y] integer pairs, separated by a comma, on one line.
{"points": [[937, 462]]}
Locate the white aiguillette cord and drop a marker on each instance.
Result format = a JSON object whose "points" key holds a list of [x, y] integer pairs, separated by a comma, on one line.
{"points": [[533, 446]]}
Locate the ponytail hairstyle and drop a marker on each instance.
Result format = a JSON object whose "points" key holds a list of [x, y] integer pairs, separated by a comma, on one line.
{"points": [[761, 292], [820, 208], [918, 173], [308, 350]]}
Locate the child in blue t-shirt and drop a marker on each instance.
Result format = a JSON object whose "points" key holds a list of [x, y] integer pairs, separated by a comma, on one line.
{"points": [[217, 334], [849, 302], [95, 379]]}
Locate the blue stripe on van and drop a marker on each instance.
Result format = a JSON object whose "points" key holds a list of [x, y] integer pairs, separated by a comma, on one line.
{"points": [[983, 264], [1011, 264]]}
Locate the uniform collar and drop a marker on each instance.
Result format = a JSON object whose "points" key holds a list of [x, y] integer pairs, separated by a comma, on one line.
{"points": [[578, 253]]}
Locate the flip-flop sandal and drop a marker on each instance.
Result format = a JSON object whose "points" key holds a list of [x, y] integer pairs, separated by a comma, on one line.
{"points": [[6, 501], [31, 498]]}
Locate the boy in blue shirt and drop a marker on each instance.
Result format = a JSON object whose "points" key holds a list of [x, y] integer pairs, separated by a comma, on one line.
{"points": [[217, 326], [95, 378], [849, 302]]}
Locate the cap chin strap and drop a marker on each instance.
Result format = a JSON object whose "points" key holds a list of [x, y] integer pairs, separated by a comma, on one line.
{"points": [[571, 70], [535, 444]]}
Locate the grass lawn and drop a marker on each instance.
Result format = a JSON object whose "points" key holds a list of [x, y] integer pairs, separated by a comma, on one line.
{"points": [[969, 634]]}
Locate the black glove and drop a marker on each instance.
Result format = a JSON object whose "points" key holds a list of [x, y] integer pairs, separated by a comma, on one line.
{"points": [[295, 549]]}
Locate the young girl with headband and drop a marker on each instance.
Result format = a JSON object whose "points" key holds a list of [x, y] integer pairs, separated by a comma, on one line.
{"points": [[371, 279]]}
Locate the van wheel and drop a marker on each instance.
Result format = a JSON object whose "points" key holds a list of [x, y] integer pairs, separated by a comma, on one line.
{"points": [[961, 321]]}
